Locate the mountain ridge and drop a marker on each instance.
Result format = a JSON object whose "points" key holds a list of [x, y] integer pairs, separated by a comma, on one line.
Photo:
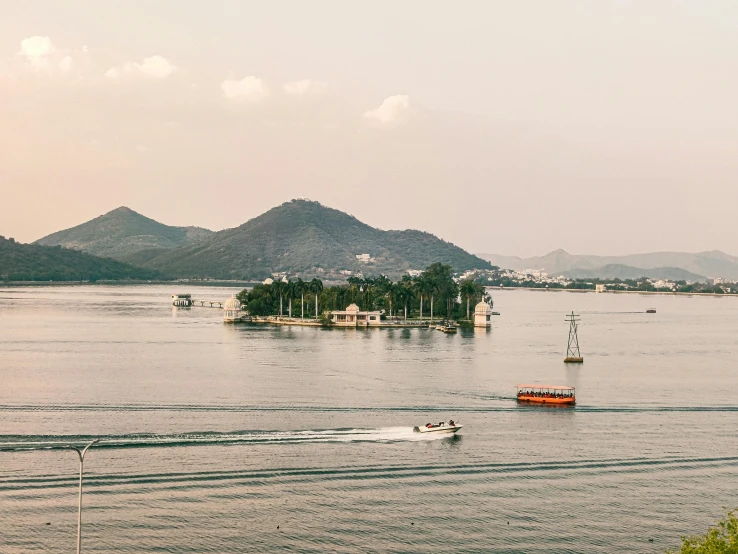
{"points": [[122, 233], [305, 238], [300, 237], [619, 271], [709, 264]]}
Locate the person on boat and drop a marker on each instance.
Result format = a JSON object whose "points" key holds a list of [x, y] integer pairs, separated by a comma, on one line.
{"points": [[429, 425], [451, 423]]}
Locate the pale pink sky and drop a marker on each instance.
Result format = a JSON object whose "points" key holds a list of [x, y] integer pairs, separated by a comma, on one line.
{"points": [[603, 127]]}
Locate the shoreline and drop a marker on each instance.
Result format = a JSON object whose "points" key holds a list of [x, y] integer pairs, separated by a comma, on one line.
{"points": [[655, 292]]}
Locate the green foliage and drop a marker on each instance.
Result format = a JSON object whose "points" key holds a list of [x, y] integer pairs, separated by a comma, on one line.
{"points": [[370, 293], [125, 235], [33, 262], [720, 539], [307, 239]]}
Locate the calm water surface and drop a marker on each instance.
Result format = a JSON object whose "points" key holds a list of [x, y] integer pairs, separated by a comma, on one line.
{"points": [[214, 435]]}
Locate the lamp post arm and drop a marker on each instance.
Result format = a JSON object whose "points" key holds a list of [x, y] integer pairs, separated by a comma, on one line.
{"points": [[81, 455]]}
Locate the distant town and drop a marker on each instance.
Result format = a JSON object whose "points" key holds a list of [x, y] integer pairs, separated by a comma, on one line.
{"points": [[539, 279]]}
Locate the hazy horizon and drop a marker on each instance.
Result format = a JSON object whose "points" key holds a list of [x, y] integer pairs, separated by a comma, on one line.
{"points": [[515, 129]]}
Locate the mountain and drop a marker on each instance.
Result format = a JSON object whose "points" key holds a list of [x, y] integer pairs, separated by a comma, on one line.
{"points": [[712, 264], [124, 234], [619, 271], [306, 238], [34, 262]]}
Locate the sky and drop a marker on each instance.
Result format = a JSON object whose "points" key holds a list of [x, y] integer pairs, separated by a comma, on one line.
{"points": [[599, 127]]}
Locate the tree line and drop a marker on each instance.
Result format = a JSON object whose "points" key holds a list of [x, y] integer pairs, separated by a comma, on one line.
{"points": [[434, 293], [642, 284]]}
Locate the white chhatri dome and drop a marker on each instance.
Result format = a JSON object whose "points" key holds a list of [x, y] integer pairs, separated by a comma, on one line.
{"points": [[352, 308], [232, 304], [482, 308], [268, 281]]}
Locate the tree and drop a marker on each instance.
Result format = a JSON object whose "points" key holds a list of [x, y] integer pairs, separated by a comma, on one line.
{"points": [[424, 287], [366, 289], [469, 290], [280, 287], [440, 282], [720, 539], [290, 292], [316, 287], [390, 293], [300, 288], [405, 292]]}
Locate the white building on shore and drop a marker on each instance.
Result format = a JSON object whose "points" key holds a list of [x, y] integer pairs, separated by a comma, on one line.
{"points": [[231, 310], [482, 315], [352, 316]]}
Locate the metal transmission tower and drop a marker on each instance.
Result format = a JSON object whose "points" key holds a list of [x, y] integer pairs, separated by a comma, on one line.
{"points": [[573, 356]]}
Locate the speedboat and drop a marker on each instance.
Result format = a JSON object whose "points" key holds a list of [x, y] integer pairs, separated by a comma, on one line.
{"points": [[449, 328], [441, 427]]}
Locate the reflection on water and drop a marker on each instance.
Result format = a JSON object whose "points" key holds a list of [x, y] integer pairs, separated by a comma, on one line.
{"points": [[215, 434]]}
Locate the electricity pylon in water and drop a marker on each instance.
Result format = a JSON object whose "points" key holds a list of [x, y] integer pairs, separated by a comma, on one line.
{"points": [[573, 356]]}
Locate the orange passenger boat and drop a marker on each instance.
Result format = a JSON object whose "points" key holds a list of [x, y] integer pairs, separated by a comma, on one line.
{"points": [[546, 394]]}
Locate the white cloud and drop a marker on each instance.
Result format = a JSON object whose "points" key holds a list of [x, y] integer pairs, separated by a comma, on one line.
{"points": [[249, 88], [153, 67], [37, 51], [304, 86], [394, 109], [41, 55]]}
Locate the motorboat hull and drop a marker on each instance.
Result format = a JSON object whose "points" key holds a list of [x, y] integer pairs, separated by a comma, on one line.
{"points": [[442, 429]]}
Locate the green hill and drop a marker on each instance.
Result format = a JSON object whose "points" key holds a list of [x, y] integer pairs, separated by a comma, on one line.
{"points": [[34, 262], [306, 238], [124, 235]]}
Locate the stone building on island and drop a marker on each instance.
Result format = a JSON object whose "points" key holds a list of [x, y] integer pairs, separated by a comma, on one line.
{"points": [[482, 315], [352, 316]]}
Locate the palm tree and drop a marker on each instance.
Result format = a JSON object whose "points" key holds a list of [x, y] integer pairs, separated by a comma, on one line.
{"points": [[427, 287], [418, 290], [366, 288], [316, 287], [280, 288], [431, 291], [469, 289], [300, 287], [390, 293], [404, 295], [290, 292]]}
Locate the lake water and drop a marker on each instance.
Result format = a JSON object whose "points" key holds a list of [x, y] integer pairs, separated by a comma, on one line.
{"points": [[215, 435]]}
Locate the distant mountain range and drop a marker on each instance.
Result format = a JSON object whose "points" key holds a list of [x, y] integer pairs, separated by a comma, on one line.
{"points": [[661, 265], [619, 271], [299, 237], [122, 233], [34, 262]]}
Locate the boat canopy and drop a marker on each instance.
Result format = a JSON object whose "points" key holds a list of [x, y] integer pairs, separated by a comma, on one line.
{"points": [[546, 387]]}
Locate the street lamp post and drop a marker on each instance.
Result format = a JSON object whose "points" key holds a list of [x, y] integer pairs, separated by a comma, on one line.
{"points": [[81, 454]]}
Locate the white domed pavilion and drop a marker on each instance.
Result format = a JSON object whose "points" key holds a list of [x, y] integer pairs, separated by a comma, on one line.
{"points": [[231, 310], [482, 315], [352, 316]]}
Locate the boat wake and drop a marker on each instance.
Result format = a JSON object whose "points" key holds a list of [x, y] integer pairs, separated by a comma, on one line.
{"points": [[14, 443]]}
